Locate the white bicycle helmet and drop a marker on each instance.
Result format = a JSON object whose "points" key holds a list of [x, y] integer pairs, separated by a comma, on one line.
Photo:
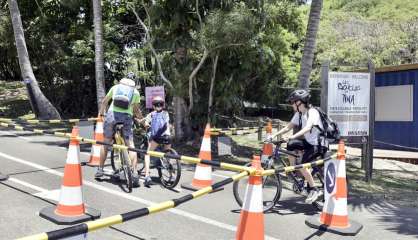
{"points": [[127, 82]]}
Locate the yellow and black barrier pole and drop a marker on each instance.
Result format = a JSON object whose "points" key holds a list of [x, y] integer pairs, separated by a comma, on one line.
{"points": [[37, 121], [233, 129], [188, 159], [231, 133], [297, 167], [90, 226]]}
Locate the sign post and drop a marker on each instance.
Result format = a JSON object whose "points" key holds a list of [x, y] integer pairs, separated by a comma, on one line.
{"points": [[370, 142], [350, 103], [151, 92]]}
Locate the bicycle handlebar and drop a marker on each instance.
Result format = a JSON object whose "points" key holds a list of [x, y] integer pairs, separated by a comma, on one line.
{"points": [[279, 142]]}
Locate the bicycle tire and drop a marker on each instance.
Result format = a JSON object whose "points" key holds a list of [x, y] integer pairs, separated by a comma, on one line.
{"points": [[270, 197], [169, 171], [115, 159], [127, 171]]}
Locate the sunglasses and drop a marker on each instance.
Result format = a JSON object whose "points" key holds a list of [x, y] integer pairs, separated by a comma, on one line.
{"points": [[158, 104]]}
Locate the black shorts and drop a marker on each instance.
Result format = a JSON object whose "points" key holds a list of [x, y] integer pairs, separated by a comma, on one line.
{"points": [[162, 140], [310, 152]]}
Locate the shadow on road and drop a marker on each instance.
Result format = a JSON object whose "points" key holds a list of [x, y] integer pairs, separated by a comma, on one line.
{"points": [[402, 220]]}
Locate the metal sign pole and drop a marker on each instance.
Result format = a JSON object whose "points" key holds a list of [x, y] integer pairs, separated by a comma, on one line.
{"points": [[369, 162]]}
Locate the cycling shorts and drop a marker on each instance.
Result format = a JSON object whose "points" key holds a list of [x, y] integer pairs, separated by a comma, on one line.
{"points": [[112, 118], [310, 152], [162, 139]]}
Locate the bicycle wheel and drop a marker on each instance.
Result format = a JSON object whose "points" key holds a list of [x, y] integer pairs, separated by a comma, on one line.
{"points": [[272, 190], [127, 171], [115, 158], [169, 171]]}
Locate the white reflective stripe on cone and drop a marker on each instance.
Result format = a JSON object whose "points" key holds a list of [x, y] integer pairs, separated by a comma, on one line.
{"points": [[72, 155], [336, 207], [203, 172], [205, 147], [99, 127], [340, 169], [71, 196], [255, 204]]}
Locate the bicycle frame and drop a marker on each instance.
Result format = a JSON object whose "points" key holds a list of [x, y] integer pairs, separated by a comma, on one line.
{"points": [[276, 155]]}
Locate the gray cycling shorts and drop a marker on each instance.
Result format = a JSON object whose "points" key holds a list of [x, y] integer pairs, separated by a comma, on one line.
{"points": [[112, 118]]}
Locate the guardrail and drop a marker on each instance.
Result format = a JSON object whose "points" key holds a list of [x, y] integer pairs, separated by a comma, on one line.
{"points": [[227, 166], [117, 219], [37, 121]]}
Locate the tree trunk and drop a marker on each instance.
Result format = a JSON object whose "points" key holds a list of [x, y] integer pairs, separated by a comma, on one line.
{"points": [[41, 106], [212, 83], [181, 123], [98, 45], [310, 41], [193, 75]]}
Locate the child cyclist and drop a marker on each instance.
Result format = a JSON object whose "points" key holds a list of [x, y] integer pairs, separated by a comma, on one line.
{"points": [[158, 120]]}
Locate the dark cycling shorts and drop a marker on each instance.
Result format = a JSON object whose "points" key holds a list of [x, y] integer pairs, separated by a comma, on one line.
{"points": [[112, 118], [162, 139], [310, 152]]}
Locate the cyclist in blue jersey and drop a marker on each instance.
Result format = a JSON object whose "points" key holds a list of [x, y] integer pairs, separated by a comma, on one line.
{"points": [[159, 121]]}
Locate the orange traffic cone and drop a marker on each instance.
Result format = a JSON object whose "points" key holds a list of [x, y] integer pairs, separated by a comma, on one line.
{"points": [[251, 221], [70, 208], [203, 174], [334, 216], [267, 147], [96, 148]]}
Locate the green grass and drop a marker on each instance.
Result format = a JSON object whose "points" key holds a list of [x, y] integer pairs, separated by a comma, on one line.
{"points": [[13, 106]]}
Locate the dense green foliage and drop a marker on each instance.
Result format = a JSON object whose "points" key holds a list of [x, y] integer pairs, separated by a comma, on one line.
{"points": [[352, 31], [257, 45]]}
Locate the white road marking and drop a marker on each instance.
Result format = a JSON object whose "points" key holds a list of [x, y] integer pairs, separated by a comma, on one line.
{"points": [[53, 195], [129, 196], [221, 176], [39, 189], [42, 193]]}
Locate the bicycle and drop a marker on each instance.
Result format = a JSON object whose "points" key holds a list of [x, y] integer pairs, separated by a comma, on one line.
{"points": [[169, 169], [272, 185], [119, 159]]}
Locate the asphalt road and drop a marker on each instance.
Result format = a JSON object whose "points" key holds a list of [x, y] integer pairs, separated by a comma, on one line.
{"points": [[35, 165]]}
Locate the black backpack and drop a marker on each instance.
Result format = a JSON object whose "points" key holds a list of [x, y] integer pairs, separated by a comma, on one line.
{"points": [[331, 131]]}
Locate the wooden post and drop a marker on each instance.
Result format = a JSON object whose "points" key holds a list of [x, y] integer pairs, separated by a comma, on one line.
{"points": [[324, 86], [363, 152], [260, 130], [279, 127], [369, 162]]}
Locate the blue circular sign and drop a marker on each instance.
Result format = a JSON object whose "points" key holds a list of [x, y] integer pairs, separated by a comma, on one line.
{"points": [[330, 178]]}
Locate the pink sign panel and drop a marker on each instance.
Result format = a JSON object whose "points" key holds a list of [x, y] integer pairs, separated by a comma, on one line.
{"points": [[151, 92]]}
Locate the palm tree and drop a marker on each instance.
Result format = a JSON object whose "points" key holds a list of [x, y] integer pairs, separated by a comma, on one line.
{"points": [[41, 106], [98, 45], [310, 42]]}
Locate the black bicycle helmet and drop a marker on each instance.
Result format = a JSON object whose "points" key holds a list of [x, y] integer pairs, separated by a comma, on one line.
{"points": [[299, 94]]}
